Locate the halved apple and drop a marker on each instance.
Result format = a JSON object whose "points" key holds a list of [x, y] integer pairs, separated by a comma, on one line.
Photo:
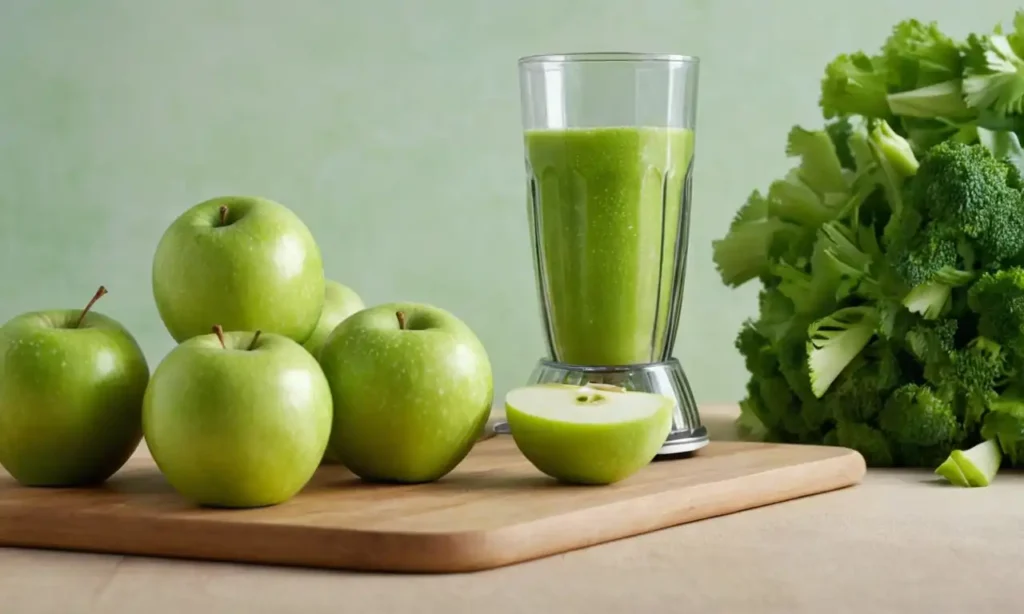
{"points": [[591, 434]]}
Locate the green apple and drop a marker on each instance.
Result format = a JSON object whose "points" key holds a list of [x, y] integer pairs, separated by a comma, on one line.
{"points": [[237, 419], [412, 389], [71, 388], [339, 303], [245, 263], [592, 434]]}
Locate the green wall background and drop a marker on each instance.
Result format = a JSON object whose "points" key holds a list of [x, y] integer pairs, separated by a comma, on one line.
{"points": [[391, 128]]}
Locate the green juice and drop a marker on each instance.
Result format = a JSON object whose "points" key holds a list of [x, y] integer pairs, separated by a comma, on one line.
{"points": [[607, 208]]}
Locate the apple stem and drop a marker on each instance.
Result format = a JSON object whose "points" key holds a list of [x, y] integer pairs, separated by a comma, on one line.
{"points": [[99, 294], [219, 331], [401, 319], [255, 338], [223, 215]]}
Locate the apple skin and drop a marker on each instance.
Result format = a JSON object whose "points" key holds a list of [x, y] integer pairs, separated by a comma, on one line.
{"points": [[235, 427], [409, 404], [587, 453], [70, 397], [261, 271], [340, 302]]}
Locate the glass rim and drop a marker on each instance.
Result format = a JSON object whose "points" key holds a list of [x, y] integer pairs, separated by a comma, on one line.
{"points": [[607, 56]]}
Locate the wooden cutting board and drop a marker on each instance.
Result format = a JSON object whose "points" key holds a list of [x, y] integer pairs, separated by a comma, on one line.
{"points": [[495, 509]]}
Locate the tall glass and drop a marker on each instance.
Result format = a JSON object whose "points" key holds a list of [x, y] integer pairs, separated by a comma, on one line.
{"points": [[609, 144]]}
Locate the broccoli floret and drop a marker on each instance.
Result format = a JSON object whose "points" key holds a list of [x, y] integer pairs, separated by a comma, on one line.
{"points": [[932, 341], [924, 254], [835, 341], [978, 370], [998, 299], [869, 441], [917, 415], [860, 391], [964, 188]]}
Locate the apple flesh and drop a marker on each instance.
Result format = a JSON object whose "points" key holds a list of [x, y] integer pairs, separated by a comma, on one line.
{"points": [[412, 389], [71, 390], [592, 434], [237, 419], [244, 263]]}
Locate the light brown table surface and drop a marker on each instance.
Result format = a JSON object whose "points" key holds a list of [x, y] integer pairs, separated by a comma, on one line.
{"points": [[899, 542]]}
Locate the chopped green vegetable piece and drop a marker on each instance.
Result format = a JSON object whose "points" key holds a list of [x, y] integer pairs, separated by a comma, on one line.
{"points": [[978, 465], [950, 470]]}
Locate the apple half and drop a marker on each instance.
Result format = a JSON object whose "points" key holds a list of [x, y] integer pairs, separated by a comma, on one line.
{"points": [[591, 434]]}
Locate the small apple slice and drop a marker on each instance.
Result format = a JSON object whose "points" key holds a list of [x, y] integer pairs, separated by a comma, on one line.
{"points": [[592, 434]]}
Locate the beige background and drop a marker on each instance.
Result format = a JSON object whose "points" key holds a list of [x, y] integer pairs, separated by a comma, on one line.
{"points": [[391, 127]]}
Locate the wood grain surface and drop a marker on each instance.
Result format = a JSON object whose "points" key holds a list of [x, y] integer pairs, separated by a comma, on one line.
{"points": [[495, 509]]}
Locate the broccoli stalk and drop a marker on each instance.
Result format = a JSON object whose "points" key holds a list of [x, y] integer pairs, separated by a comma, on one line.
{"points": [[975, 467], [931, 298], [835, 341]]}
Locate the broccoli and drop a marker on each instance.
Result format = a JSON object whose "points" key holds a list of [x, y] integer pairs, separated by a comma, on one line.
{"points": [[860, 391], [975, 467], [965, 189], [867, 440], [920, 257], [835, 341], [917, 415], [978, 370], [890, 259], [998, 299]]}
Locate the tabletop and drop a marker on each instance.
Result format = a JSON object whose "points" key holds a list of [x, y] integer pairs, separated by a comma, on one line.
{"points": [[902, 541]]}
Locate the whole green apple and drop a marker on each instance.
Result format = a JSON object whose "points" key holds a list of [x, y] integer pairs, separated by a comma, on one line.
{"points": [[237, 419], [339, 303], [412, 389], [71, 388], [245, 263]]}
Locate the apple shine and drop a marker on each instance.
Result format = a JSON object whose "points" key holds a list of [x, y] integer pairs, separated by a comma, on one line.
{"points": [[412, 389]]}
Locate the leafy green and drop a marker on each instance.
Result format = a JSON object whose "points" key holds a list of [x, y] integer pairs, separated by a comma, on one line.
{"points": [[890, 259]]}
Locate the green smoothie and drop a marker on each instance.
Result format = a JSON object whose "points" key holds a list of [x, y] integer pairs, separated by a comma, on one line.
{"points": [[606, 208]]}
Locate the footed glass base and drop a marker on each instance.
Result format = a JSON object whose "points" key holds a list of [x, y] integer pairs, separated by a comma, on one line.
{"points": [[667, 378]]}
